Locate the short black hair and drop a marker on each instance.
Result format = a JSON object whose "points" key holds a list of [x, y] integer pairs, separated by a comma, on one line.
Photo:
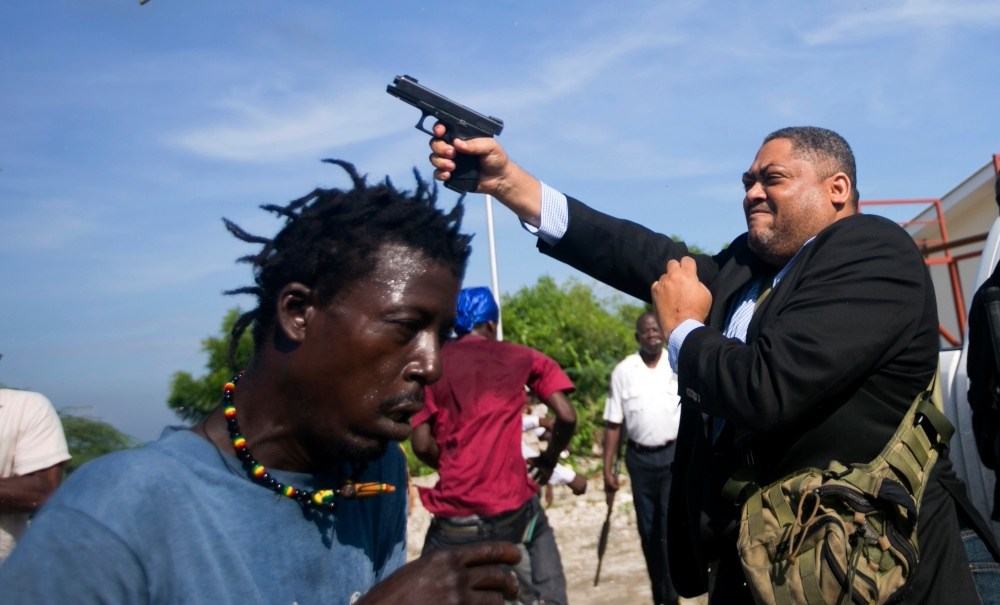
{"points": [[638, 320], [822, 144], [331, 237]]}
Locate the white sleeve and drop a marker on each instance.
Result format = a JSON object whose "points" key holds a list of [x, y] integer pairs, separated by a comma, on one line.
{"points": [[561, 475], [41, 443], [613, 411], [528, 422]]}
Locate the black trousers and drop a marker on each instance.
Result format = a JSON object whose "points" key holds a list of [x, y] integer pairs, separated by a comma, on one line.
{"points": [[650, 476]]}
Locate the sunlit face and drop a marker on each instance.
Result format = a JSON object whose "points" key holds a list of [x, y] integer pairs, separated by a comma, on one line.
{"points": [[786, 203], [368, 355], [648, 335]]}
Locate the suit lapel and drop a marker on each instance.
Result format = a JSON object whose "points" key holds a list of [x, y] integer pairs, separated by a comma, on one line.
{"points": [[729, 283]]}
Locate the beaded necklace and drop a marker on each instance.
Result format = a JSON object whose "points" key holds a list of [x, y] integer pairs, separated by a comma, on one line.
{"points": [[320, 499]]}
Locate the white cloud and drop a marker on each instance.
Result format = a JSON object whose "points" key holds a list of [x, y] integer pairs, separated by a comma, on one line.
{"points": [[290, 126], [49, 225], [573, 71], [271, 121], [903, 18]]}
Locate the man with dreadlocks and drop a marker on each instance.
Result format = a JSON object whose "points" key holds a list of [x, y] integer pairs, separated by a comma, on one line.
{"points": [[292, 490]]}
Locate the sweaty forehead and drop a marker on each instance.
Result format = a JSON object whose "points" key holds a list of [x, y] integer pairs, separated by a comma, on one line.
{"points": [[403, 272]]}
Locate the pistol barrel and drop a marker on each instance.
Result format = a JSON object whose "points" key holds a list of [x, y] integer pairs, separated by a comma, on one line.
{"points": [[454, 114]]}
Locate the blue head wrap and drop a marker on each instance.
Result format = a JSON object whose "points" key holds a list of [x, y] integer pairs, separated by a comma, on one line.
{"points": [[475, 306]]}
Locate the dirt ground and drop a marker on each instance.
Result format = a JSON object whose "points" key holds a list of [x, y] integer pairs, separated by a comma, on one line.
{"points": [[577, 522]]}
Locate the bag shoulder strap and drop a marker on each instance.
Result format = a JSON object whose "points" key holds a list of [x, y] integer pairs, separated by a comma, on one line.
{"points": [[910, 453]]}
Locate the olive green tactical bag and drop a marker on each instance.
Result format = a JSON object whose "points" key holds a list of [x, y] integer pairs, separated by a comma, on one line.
{"points": [[846, 534]]}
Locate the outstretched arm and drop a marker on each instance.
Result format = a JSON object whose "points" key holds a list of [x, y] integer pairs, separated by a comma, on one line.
{"points": [[498, 175]]}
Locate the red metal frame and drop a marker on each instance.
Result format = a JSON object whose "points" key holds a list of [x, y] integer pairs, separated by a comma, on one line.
{"points": [[931, 246], [943, 245]]}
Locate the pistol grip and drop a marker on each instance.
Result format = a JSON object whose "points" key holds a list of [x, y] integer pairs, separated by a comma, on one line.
{"points": [[465, 176]]}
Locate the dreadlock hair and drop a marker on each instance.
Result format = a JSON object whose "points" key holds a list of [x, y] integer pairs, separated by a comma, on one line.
{"points": [[331, 237]]}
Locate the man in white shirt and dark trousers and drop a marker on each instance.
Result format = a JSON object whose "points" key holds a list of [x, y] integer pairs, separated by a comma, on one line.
{"points": [[643, 397]]}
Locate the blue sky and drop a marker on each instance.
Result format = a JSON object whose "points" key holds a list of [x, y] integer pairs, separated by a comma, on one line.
{"points": [[127, 132]]}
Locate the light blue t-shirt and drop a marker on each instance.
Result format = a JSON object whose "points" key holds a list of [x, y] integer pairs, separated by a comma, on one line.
{"points": [[177, 521]]}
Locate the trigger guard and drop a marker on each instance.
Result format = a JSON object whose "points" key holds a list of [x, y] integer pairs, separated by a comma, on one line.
{"points": [[449, 134], [422, 128]]}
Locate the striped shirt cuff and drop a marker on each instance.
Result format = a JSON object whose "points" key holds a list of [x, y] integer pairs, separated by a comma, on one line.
{"points": [[676, 340], [553, 219]]}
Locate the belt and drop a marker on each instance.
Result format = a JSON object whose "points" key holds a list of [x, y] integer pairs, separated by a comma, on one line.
{"points": [[477, 525], [648, 449]]}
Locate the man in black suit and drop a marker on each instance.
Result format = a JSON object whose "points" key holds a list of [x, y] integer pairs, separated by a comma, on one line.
{"points": [[984, 377], [804, 341]]}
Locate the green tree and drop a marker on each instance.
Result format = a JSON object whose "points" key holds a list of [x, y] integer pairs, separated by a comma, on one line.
{"points": [[193, 398], [89, 438], [694, 248], [585, 333]]}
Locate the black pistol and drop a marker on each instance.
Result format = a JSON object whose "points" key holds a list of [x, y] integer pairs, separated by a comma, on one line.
{"points": [[460, 123]]}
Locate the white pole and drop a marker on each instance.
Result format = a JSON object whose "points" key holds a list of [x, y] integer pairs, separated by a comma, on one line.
{"points": [[494, 280]]}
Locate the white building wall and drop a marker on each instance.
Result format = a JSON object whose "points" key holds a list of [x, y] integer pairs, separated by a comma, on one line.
{"points": [[969, 210]]}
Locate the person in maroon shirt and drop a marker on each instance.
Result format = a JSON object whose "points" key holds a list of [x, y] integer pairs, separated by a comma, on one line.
{"points": [[470, 431]]}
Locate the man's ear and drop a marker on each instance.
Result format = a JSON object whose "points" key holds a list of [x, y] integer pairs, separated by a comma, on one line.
{"points": [[840, 189], [491, 329], [296, 304]]}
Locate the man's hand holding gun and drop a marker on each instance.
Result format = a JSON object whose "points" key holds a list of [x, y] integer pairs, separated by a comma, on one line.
{"points": [[454, 121]]}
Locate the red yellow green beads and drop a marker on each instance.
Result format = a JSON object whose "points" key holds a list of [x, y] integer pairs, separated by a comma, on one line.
{"points": [[323, 498]]}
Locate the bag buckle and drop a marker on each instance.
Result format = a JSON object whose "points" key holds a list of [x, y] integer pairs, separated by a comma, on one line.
{"points": [[923, 422], [848, 469]]}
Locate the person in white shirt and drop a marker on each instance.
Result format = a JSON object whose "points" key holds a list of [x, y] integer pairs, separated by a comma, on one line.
{"points": [[33, 453], [542, 569], [534, 427], [643, 397]]}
